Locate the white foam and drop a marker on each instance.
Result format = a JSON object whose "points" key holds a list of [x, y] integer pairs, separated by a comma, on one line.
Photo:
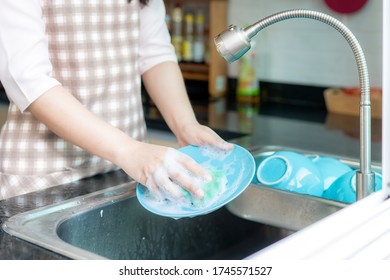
{"points": [[214, 153], [185, 205]]}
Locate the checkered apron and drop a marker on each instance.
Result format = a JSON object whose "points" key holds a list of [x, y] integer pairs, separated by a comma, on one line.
{"points": [[93, 47]]}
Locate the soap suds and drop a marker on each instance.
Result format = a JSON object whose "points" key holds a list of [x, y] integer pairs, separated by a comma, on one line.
{"points": [[216, 190]]}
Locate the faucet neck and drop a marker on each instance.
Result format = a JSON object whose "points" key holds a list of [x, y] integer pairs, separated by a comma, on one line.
{"points": [[365, 181]]}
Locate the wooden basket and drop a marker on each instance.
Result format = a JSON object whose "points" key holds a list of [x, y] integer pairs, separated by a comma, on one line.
{"points": [[339, 102]]}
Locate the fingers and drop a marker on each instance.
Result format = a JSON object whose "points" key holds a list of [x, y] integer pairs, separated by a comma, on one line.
{"points": [[160, 185], [201, 135], [187, 173], [223, 145], [154, 189], [178, 171], [194, 168], [188, 182], [211, 138]]}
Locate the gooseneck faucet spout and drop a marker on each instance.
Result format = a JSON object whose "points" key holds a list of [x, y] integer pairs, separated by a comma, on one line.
{"points": [[235, 42]]}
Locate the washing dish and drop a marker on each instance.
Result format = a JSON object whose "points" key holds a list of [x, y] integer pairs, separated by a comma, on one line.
{"points": [[212, 190], [330, 168], [290, 171], [258, 159], [344, 188], [234, 170]]}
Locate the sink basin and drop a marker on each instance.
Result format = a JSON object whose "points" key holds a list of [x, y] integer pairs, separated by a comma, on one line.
{"points": [[285, 209], [111, 224]]}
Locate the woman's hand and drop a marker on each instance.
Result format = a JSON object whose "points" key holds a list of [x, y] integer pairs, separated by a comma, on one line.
{"points": [[164, 171], [201, 135]]}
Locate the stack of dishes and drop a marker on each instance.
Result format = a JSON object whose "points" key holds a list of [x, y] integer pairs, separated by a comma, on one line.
{"points": [[314, 175]]}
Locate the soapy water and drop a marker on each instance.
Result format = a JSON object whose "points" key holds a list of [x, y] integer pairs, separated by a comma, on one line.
{"points": [[186, 202], [175, 167], [214, 153], [223, 184]]}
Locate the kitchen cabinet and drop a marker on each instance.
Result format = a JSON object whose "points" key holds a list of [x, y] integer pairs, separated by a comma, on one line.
{"points": [[211, 68]]}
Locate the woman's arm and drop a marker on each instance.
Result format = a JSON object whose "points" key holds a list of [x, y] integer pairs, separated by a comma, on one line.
{"points": [[165, 85], [70, 120], [164, 82], [152, 165]]}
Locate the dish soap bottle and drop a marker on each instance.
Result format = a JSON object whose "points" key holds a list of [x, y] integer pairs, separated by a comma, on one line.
{"points": [[177, 32], [199, 43], [188, 43], [248, 89]]}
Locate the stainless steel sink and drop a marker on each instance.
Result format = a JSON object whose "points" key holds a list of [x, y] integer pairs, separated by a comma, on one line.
{"points": [[284, 209], [111, 224]]}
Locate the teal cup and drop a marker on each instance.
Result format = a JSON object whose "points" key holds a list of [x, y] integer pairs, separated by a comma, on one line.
{"points": [[258, 159], [330, 168], [290, 171], [344, 188]]}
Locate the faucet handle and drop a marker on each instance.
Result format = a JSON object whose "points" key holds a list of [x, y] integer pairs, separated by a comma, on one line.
{"points": [[365, 184]]}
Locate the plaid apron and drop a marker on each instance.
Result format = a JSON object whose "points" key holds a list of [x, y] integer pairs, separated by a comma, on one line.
{"points": [[93, 48]]}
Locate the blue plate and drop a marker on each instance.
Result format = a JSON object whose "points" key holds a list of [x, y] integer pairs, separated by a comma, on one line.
{"points": [[238, 165]]}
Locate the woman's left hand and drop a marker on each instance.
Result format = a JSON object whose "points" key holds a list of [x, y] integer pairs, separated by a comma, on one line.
{"points": [[201, 135]]}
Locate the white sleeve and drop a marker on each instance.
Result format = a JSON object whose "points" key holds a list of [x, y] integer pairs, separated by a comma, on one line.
{"points": [[155, 42], [25, 68]]}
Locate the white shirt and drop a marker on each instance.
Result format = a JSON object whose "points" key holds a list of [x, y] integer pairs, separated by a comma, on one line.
{"points": [[25, 67]]}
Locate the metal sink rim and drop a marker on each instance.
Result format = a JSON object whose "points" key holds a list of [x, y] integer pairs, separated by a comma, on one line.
{"points": [[39, 226]]}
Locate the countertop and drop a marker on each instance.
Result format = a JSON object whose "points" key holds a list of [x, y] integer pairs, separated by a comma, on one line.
{"points": [[249, 126]]}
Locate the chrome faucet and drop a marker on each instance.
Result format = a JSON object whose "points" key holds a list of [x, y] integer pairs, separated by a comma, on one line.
{"points": [[235, 42]]}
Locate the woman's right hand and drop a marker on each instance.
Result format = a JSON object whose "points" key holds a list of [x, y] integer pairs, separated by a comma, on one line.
{"points": [[159, 168], [164, 171]]}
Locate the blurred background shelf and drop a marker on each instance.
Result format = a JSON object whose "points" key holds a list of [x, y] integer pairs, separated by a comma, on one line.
{"points": [[211, 67], [195, 71]]}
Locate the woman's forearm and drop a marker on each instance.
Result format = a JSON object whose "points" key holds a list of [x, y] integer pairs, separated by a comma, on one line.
{"points": [[69, 119], [165, 85], [152, 165]]}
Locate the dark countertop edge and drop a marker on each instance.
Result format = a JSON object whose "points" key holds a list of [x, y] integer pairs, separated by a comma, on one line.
{"points": [[13, 248]]}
